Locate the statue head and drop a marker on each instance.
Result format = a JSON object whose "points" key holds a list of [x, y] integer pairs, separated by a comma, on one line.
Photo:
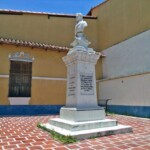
{"points": [[79, 17]]}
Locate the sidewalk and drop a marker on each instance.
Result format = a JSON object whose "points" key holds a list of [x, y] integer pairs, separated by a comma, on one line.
{"points": [[21, 133]]}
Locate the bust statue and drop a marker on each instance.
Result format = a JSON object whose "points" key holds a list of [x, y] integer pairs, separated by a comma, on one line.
{"points": [[80, 42], [80, 24]]}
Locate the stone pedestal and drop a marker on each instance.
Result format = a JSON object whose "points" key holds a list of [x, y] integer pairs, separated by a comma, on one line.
{"points": [[82, 117], [81, 82], [81, 102]]}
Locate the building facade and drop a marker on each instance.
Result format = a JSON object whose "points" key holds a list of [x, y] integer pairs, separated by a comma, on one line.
{"points": [[35, 42]]}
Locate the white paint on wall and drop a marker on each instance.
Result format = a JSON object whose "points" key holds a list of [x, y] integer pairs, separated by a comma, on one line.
{"points": [[126, 72], [127, 58], [4, 76], [48, 78], [39, 78], [19, 100], [132, 90]]}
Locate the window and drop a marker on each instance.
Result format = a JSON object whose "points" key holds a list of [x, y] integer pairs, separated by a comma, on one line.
{"points": [[20, 76]]}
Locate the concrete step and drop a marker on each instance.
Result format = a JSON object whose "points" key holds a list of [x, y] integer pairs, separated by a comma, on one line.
{"points": [[92, 133], [85, 125]]}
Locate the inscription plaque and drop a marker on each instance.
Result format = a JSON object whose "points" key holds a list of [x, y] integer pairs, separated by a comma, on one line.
{"points": [[86, 80], [71, 85]]}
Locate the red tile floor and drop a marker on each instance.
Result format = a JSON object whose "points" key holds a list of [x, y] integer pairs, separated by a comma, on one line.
{"points": [[21, 133]]}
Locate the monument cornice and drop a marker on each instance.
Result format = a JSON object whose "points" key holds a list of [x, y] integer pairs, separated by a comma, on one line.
{"points": [[82, 56]]}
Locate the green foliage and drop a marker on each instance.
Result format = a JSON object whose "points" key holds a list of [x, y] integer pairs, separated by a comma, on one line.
{"points": [[110, 113], [57, 136], [93, 137]]}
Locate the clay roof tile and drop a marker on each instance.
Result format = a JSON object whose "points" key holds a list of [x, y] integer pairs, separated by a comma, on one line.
{"points": [[31, 44]]}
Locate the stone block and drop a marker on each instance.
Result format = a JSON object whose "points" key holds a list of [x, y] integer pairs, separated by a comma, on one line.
{"points": [[71, 114]]}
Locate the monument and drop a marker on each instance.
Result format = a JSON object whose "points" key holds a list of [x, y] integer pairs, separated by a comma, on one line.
{"points": [[82, 117]]}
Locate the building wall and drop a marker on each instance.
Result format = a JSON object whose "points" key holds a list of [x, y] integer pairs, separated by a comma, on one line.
{"points": [[49, 71], [129, 95], [119, 20], [128, 58], [45, 29], [48, 75], [43, 65], [126, 73], [130, 91]]}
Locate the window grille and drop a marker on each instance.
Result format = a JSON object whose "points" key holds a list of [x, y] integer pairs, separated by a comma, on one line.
{"points": [[20, 79]]}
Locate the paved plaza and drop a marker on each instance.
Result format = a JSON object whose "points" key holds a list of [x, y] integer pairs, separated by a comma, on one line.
{"points": [[21, 133]]}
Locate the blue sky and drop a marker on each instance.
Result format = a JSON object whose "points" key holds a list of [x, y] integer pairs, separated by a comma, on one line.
{"points": [[53, 6]]}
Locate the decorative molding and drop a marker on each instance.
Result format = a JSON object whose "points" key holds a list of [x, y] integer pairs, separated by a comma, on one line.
{"points": [[43, 78], [64, 79], [39, 78], [49, 78], [21, 56], [82, 56]]}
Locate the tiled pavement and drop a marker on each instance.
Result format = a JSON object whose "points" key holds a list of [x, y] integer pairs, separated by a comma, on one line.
{"points": [[21, 133]]}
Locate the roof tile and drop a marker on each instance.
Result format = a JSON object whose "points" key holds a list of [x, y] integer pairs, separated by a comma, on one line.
{"points": [[32, 44]]}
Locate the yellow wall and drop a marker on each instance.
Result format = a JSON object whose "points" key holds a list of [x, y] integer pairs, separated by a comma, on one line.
{"points": [[119, 20], [48, 92], [43, 92], [38, 28], [4, 91], [46, 64]]}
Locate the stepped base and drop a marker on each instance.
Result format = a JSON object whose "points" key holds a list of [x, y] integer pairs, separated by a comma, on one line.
{"points": [[78, 126], [89, 129], [85, 134]]}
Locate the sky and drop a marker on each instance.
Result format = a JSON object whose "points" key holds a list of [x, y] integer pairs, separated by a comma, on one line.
{"points": [[52, 6]]}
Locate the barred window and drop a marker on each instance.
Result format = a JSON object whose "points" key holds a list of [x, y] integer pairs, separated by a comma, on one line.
{"points": [[20, 79]]}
